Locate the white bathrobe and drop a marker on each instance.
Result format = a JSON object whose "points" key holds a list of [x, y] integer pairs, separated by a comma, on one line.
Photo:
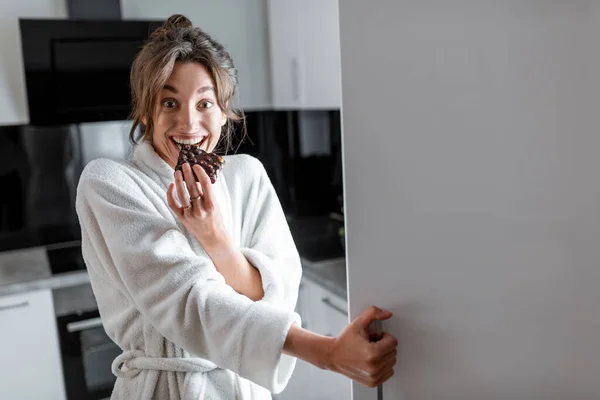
{"points": [[185, 333]]}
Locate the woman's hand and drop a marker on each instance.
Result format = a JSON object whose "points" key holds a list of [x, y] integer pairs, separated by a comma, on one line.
{"points": [[201, 216], [199, 212], [353, 355]]}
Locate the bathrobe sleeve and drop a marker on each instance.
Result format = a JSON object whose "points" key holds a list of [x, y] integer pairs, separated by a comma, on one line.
{"points": [[267, 242], [180, 293]]}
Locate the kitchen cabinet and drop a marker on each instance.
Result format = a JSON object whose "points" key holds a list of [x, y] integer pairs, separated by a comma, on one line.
{"points": [[325, 313], [304, 54], [30, 365], [241, 26], [12, 78]]}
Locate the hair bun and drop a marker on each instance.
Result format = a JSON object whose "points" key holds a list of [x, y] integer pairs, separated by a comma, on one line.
{"points": [[178, 21], [175, 21]]}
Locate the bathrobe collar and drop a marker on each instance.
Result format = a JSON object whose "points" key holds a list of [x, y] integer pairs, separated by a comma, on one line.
{"points": [[147, 159]]}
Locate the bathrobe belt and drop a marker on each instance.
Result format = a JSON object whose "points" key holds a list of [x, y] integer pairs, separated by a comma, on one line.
{"points": [[131, 362]]}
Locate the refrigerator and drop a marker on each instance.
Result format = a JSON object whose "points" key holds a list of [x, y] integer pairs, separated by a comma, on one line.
{"points": [[471, 154]]}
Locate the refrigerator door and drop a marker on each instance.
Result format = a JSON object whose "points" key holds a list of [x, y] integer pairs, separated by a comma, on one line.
{"points": [[471, 158]]}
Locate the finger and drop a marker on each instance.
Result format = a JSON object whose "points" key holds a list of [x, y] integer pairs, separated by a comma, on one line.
{"points": [[387, 363], [381, 380], [369, 380], [181, 191], [375, 379], [190, 181], [386, 344], [377, 357], [357, 376], [196, 201], [199, 187], [366, 318], [205, 184], [173, 205]]}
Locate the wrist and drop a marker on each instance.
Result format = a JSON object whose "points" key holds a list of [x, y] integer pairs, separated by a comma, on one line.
{"points": [[235, 268], [219, 248], [311, 347]]}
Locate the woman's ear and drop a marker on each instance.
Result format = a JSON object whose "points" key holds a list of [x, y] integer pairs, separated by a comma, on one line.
{"points": [[224, 115], [144, 129]]}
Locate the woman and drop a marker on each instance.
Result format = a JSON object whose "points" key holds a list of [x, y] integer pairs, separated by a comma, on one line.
{"points": [[197, 282]]}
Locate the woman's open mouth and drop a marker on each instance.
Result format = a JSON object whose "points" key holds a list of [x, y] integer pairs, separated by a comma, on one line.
{"points": [[195, 141]]}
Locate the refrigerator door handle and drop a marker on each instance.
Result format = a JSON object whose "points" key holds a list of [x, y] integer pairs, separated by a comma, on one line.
{"points": [[375, 334]]}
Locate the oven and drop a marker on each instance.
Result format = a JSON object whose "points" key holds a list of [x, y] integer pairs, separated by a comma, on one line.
{"points": [[87, 354], [42, 175], [86, 350]]}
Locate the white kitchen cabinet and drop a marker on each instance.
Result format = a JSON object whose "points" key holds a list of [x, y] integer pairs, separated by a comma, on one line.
{"points": [[30, 366], [328, 315], [304, 54], [312, 312], [300, 380], [13, 98], [241, 26], [325, 313]]}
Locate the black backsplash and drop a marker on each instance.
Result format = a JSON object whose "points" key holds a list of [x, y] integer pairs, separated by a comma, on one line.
{"points": [[38, 173], [40, 169], [305, 185]]}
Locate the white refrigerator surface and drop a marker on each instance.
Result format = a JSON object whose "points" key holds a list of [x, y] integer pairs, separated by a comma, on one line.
{"points": [[471, 140]]}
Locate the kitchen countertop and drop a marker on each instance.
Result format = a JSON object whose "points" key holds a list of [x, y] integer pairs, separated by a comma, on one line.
{"points": [[321, 251], [330, 274], [12, 263], [28, 270], [60, 281]]}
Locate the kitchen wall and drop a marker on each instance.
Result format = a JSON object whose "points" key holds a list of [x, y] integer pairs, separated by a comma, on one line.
{"points": [[13, 109], [241, 26]]}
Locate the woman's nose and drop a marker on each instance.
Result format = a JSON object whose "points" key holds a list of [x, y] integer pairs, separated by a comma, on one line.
{"points": [[189, 120]]}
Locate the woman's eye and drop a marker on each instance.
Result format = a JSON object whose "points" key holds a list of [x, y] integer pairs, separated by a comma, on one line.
{"points": [[206, 104], [169, 103]]}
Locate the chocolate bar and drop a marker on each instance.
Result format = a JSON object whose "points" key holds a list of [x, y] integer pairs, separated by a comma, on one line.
{"points": [[193, 154]]}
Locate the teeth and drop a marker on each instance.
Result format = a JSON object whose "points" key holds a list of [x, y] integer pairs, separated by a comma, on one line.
{"points": [[188, 141]]}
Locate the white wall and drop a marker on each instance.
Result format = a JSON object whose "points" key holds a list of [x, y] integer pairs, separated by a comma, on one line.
{"points": [[471, 155], [13, 100], [105, 139], [241, 26]]}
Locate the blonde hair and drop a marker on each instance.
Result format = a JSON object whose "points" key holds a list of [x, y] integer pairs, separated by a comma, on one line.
{"points": [[178, 40]]}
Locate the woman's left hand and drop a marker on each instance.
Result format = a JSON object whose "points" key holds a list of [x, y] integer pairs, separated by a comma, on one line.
{"points": [[199, 212]]}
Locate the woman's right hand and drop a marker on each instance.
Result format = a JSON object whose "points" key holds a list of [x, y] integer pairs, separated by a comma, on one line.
{"points": [[353, 355], [198, 210]]}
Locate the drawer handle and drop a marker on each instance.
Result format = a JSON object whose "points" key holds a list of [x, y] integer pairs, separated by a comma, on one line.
{"points": [[337, 308], [296, 79], [83, 325], [13, 306]]}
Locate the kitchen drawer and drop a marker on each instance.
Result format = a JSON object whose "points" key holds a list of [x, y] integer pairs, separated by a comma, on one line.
{"points": [[312, 310], [326, 313], [336, 313], [29, 348]]}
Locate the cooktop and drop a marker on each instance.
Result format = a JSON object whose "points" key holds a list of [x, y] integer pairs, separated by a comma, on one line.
{"points": [[61, 243], [318, 238]]}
